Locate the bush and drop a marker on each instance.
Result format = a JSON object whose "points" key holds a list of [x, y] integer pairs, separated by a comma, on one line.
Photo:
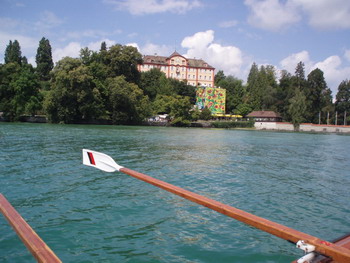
{"points": [[180, 122], [233, 124]]}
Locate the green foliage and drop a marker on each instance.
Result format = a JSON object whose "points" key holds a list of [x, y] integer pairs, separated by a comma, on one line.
{"points": [[317, 95], [43, 59], [219, 77], [235, 92], [123, 60], [19, 90], [126, 102], [154, 82], [181, 107], [163, 104], [261, 88], [74, 96], [342, 103], [13, 53], [297, 108], [243, 109], [205, 114], [233, 124], [106, 84]]}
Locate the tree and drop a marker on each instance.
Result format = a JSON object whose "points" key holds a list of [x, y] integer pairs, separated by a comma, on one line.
{"points": [[268, 84], [103, 46], [300, 76], [162, 104], [219, 77], [254, 93], [180, 111], [234, 92], [126, 102], [342, 103], [43, 59], [123, 60], [316, 92], [13, 53], [297, 108], [284, 92], [205, 114], [261, 87], [154, 82], [19, 90], [74, 96]]}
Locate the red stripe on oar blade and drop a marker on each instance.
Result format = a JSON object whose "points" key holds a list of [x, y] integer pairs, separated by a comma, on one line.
{"points": [[91, 158]]}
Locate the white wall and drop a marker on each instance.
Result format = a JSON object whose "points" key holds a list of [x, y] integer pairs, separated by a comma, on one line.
{"points": [[307, 127]]}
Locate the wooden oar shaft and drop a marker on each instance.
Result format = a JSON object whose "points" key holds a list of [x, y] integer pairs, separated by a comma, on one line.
{"points": [[339, 254], [33, 242]]}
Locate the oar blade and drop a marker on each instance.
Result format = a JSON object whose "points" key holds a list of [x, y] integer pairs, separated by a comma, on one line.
{"points": [[100, 161]]}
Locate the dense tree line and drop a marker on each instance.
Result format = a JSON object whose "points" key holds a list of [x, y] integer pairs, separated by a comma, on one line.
{"points": [[98, 86], [106, 86], [296, 97]]}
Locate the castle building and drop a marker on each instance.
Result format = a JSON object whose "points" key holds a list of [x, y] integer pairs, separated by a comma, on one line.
{"points": [[195, 72]]}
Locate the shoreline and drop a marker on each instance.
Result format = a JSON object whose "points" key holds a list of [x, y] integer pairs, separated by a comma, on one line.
{"points": [[259, 126]]}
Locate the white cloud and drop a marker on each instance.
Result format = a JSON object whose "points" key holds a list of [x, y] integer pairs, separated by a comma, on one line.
{"points": [[334, 71], [134, 45], [96, 46], [272, 14], [90, 33], [48, 20], [275, 15], [28, 45], [347, 54], [71, 50], [228, 24], [151, 49], [325, 14], [332, 67], [226, 58], [141, 7], [289, 63]]}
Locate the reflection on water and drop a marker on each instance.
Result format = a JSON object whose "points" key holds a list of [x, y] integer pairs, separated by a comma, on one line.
{"points": [[86, 215]]}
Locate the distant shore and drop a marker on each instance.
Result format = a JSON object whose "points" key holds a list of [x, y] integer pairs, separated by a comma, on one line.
{"points": [[304, 127], [270, 126]]}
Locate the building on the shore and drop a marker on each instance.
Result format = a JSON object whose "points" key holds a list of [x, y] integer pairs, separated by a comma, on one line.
{"points": [[265, 116], [195, 72], [213, 98]]}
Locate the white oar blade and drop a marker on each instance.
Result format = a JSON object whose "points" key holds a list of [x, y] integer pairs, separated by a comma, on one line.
{"points": [[100, 161]]}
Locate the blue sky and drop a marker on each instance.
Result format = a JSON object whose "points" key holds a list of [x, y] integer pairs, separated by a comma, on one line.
{"points": [[229, 35]]}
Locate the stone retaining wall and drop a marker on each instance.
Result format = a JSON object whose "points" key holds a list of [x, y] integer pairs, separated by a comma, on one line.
{"points": [[305, 127]]}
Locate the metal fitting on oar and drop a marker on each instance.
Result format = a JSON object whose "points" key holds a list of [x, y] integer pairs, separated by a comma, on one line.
{"points": [[304, 246]]}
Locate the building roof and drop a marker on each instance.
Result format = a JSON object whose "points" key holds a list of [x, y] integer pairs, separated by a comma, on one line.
{"points": [[264, 114], [161, 60]]}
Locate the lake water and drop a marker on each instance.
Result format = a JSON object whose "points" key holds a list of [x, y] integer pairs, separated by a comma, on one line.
{"points": [[86, 215]]}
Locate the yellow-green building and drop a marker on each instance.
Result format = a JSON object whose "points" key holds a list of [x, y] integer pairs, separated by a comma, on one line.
{"points": [[212, 98]]}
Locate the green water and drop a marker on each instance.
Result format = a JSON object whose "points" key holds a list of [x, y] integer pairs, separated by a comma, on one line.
{"points": [[85, 215]]}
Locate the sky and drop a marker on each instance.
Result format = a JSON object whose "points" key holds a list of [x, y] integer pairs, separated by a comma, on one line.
{"points": [[228, 34]]}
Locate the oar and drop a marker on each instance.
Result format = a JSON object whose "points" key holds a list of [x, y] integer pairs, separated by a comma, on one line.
{"points": [[33, 242], [337, 253]]}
